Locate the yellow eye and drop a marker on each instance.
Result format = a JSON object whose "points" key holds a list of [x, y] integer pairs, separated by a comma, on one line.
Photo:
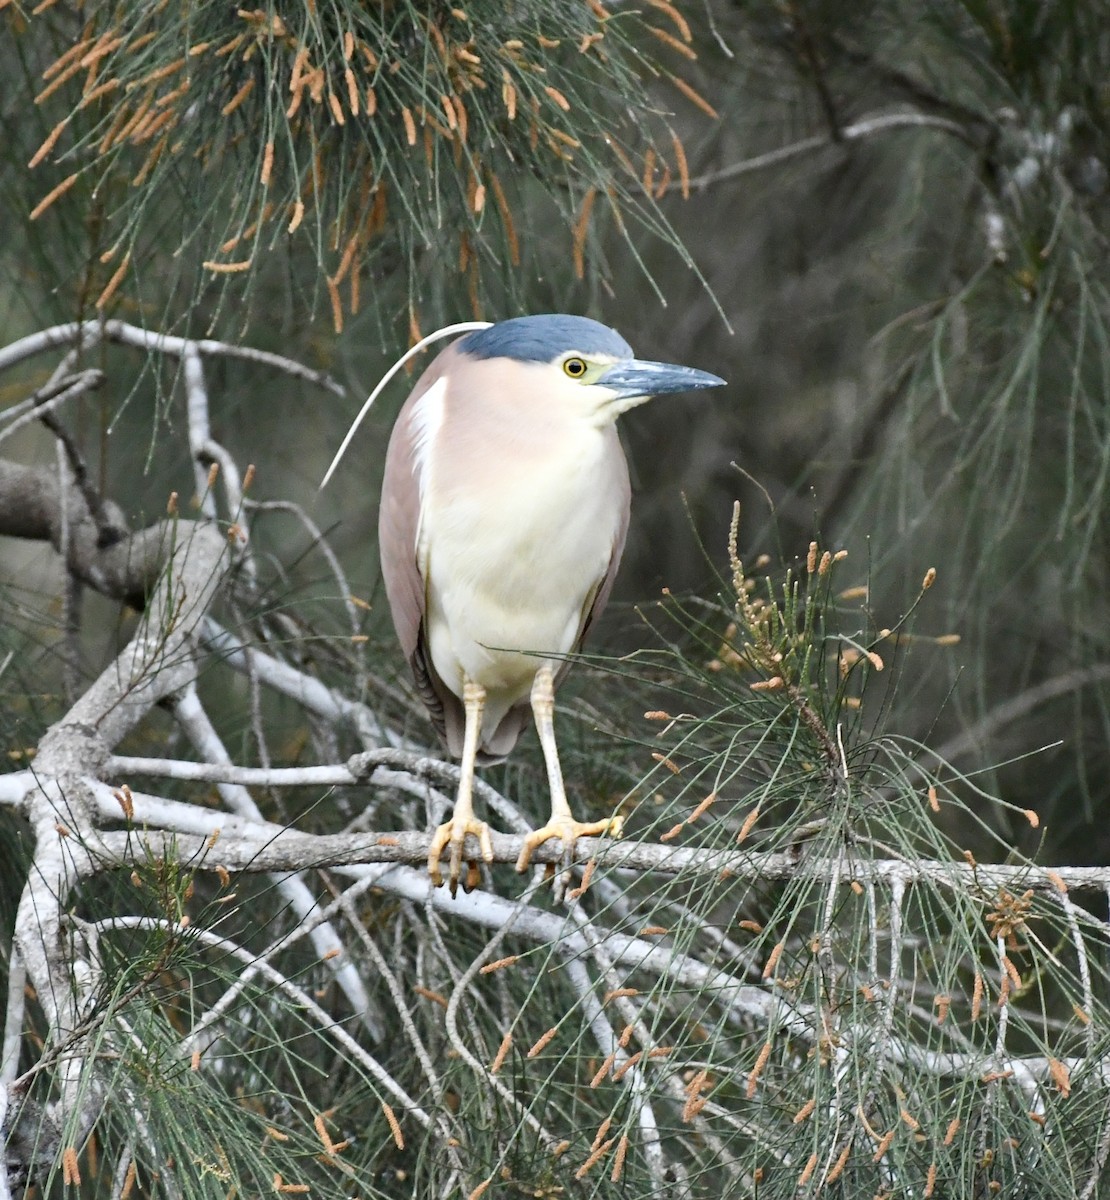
{"points": [[575, 368]]}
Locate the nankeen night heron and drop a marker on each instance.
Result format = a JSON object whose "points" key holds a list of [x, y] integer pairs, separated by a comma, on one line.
{"points": [[503, 517]]}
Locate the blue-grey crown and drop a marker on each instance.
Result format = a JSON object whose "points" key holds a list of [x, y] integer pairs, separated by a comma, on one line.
{"points": [[544, 338]]}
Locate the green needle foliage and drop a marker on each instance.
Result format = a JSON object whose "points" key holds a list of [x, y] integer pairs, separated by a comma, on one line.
{"points": [[373, 135], [831, 992]]}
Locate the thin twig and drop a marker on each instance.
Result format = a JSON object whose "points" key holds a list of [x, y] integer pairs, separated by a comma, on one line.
{"points": [[867, 127], [41, 405], [159, 343]]}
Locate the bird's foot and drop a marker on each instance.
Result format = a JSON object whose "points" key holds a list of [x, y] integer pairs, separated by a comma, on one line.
{"points": [[568, 831], [453, 834]]}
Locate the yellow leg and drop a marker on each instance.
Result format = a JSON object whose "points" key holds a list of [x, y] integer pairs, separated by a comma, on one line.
{"points": [[562, 824], [453, 833]]}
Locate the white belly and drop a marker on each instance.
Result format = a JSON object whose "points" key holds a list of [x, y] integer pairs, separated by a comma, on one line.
{"points": [[511, 565]]}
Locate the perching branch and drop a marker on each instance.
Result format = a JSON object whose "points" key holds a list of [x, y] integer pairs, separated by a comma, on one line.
{"points": [[278, 848]]}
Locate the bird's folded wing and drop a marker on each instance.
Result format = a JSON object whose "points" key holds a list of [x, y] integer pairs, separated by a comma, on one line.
{"points": [[405, 586]]}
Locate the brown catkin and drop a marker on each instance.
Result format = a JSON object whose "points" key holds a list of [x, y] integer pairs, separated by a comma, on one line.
{"points": [[594, 1158], [810, 1166], [679, 20], [502, 1051], [489, 968], [75, 51], [748, 825], [352, 90], [129, 1182], [602, 1130], [113, 283], [237, 99], [61, 79], [669, 763], [231, 268], [669, 39], [977, 997], [336, 304], [693, 1093], [620, 993], [427, 993], [804, 1113], [1011, 970], [683, 166], [702, 808], [604, 1069], [110, 85], [1061, 1077], [627, 1066], [587, 875], [840, 1164], [757, 1070], [664, 183], [618, 1158], [772, 960], [71, 1173], [581, 226], [694, 97], [883, 1146], [541, 1045], [394, 1126], [508, 96], [558, 97], [267, 163], [53, 195], [510, 234], [48, 145]]}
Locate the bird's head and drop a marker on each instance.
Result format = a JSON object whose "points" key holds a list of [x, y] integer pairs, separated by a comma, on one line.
{"points": [[580, 363]]}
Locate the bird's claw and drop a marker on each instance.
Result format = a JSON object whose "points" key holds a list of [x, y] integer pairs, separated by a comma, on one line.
{"points": [[453, 834], [568, 831]]}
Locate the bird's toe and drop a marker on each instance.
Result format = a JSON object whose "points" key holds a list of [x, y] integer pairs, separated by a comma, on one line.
{"points": [[451, 836], [568, 831]]}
